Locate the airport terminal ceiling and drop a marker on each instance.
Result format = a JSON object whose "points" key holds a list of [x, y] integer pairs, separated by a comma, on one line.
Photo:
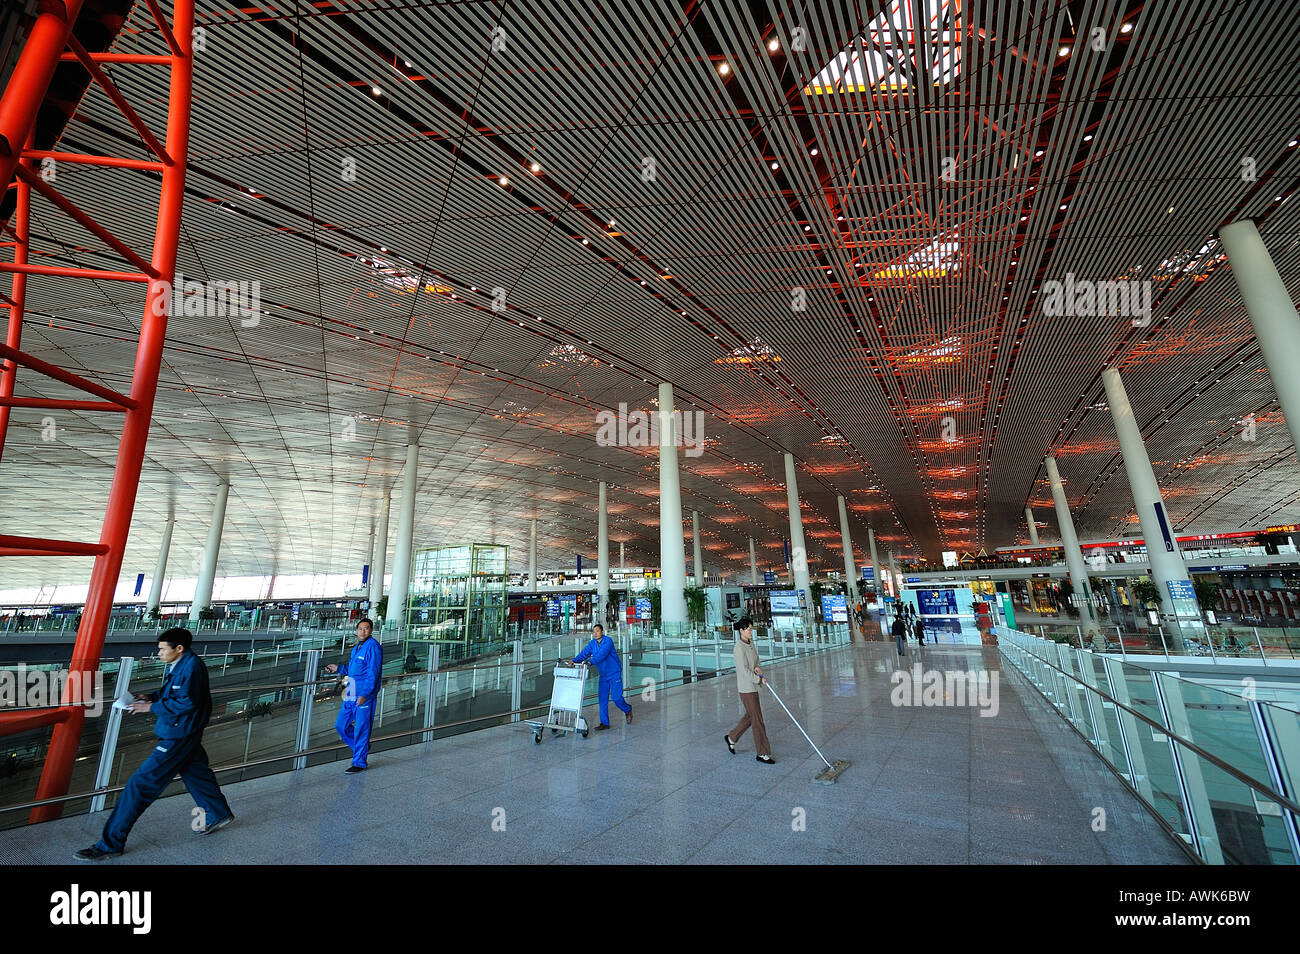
{"points": [[829, 226]]}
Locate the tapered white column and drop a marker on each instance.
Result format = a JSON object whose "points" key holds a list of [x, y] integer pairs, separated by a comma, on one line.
{"points": [[602, 553], [850, 576], [877, 577], [1070, 543], [672, 545], [379, 559], [208, 568], [753, 564], [622, 555], [1165, 560], [699, 559], [894, 588], [1272, 315], [400, 590], [798, 550], [1033, 526], [532, 556], [160, 568]]}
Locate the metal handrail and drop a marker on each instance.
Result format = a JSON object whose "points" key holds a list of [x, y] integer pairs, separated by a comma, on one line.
{"points": [[1186, 743], [240, 766]]}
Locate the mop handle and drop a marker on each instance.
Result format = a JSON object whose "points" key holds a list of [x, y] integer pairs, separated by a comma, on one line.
{"points": [[796, 722]]}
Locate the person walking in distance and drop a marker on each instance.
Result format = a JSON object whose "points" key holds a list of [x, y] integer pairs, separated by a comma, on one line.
{"points": [[920, 632], [181, 711], [749, 677], [362, 672], [899, 631], [600, 650]]}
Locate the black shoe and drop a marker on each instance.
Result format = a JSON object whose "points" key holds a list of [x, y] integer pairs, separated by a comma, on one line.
{"points": [[627, 716], [601, 725], [730, 745], [94, 853], [350, 770], [765, 759], [217, 826]]}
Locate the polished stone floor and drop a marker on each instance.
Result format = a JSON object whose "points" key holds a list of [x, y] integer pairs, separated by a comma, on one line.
{"points": [[927, 785]]}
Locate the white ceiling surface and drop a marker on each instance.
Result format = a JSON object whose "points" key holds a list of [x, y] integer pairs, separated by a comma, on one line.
{"points": [[505, 405]]}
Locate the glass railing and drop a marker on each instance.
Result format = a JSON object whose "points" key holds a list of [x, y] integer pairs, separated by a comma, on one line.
{"points": [[1260, 643], [275, 713], [1220, 770]]}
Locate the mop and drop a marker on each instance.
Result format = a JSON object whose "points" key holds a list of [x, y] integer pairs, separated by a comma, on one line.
{"points": [[832, 771]]}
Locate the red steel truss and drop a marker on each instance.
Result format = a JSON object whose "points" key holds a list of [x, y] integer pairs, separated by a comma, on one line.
{"points": [[50, 42]]}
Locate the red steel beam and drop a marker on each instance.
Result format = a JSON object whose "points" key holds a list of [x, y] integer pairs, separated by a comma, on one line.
{"points": [[31, 77], [146, 165], [153, 59], [66, 738], [67, 377], [60, 547], [17, 300], [58, 404], [13, 722], [84, 220], [66, 272], [118, 99]]}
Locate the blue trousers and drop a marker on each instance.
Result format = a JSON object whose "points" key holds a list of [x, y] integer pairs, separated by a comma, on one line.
{"points": [[169, 756], [353, 727], [611, 686]]}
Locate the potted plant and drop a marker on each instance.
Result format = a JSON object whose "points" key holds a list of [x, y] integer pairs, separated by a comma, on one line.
{"points": [[697, 604]]}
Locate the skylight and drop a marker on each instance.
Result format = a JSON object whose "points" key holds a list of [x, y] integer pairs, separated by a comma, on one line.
{"points": [[912, 42]]}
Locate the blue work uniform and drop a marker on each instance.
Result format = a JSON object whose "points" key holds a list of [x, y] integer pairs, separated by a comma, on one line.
{"points": [[362, 672], [604, 657], [183, 706]]}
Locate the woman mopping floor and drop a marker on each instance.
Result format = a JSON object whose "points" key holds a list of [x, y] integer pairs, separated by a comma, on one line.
{"points": [[749, 677]]}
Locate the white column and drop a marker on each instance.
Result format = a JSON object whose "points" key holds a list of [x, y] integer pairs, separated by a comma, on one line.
{"points": [[1033, 526], [894, 588], [532, 556], [753, 564], [672, 546], [208, 568], [878, 578], [622, 555], [400, 590], [1165, 561], [160, 568], [699, 560], [798, 550], [850, 575], [1272, 315], [1070, 543], [379, 559], [602, 554]]}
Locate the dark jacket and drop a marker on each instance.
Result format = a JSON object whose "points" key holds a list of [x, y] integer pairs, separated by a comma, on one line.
{"points": [[919, 630], [184, 703], [898, 629]]}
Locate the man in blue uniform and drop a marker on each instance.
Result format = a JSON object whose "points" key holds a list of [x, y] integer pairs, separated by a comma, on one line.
{"points": [[362, 672], [182, 708], [604, 657]]}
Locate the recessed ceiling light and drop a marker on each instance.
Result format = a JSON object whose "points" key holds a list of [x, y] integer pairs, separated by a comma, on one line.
{"points": [[1126, 28], [724, 69], [536, 167], [813, 151], [1064, 51], [376, 90], [774, 166], [774, 44], [504, 181], [1087, 138]]}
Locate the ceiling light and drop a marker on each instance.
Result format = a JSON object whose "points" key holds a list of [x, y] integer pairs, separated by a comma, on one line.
{"points": [[1064, 51], [1038, 153], [1126, 28], [774, 166], [807, 228], [376, 90], [813, 151], [724, 69], [1062, 209], [774, 44], [1087, 138], [585, 242], [536, 167], [504, 181]]}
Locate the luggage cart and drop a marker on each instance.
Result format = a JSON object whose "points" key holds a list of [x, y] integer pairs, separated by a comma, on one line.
{"points": [[565, 714]]}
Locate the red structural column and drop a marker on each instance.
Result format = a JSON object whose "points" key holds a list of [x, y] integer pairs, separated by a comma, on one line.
{"points": [[17, 297], [86, 652]]}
